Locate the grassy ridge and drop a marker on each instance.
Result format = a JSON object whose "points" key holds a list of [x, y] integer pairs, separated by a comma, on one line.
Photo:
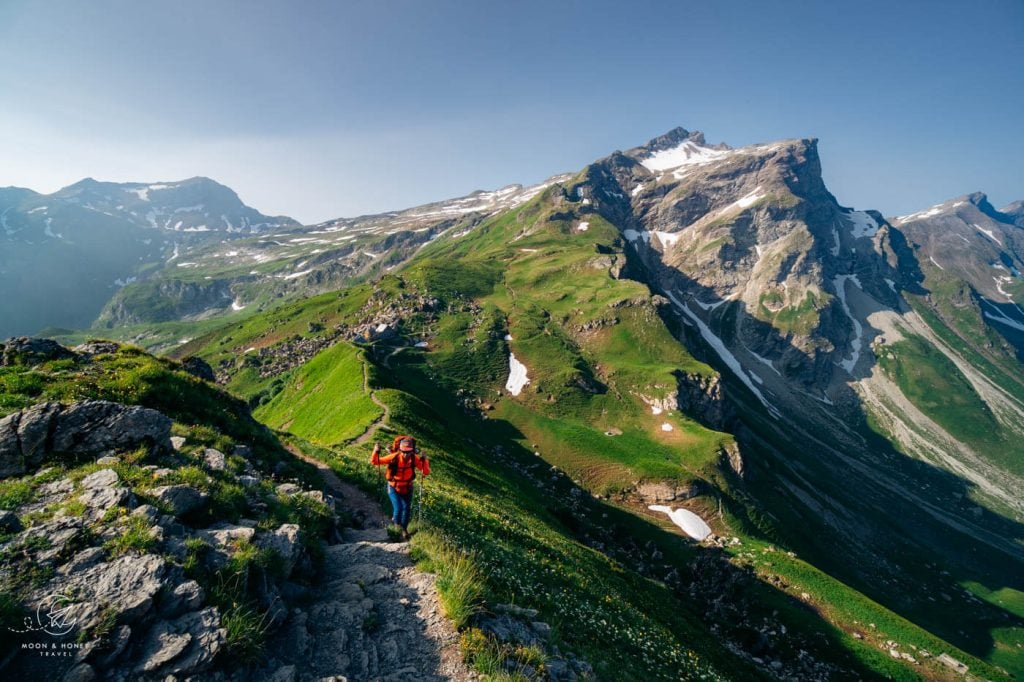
{"points": [[324, 402]]}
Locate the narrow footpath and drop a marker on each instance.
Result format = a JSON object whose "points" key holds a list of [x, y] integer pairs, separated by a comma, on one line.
{"points": [[373, 616]]}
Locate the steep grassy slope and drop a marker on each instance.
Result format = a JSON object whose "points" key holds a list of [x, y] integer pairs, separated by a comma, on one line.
{"points": [[324, 401]]}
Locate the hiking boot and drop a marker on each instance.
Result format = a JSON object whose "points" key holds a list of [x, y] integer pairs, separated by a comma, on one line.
{"points": [[405, 534]]}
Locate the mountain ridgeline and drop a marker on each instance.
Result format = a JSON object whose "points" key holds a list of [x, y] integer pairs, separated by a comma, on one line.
{"points": [[828, 402], [67, 253]]}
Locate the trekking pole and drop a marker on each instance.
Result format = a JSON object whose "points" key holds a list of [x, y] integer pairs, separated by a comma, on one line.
{"points": [[380, 481], [419, 501]]}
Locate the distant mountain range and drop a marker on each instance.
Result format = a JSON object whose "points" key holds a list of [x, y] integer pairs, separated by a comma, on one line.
{"points": [[65, 254]]}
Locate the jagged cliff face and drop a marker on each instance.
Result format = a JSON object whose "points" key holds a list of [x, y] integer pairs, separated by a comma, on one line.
{"points": [[818, 316], [752, 249]]}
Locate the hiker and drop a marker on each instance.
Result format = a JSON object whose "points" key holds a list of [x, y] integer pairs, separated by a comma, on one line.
{"points": [[402, 462]]}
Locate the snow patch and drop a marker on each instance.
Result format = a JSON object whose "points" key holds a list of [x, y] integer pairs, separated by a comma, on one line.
{"points": [[840, 285], [920, 215], [935, 263], [1001, 317], [655, 410], [727, 357], [667, 238], [692, 525], [633, 235], [749, 200], [666, 427], [637, 190], [295, 275], [987, 233], [863, 225], [235, 305], [710, 306], [688, 153], [583, 226], [517, 378]]}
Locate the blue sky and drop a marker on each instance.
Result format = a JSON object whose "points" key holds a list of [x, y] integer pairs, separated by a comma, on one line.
{"points": [[326, 109]]}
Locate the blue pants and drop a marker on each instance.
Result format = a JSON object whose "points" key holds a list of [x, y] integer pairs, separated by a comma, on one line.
{"points": [[401, 506]]}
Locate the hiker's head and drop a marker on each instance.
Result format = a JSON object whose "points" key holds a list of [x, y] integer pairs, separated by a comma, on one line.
{"points": [[407, 445]]}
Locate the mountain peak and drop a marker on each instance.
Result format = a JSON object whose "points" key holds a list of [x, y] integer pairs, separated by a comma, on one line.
{"points": [[676, 137], [1015, 211]]}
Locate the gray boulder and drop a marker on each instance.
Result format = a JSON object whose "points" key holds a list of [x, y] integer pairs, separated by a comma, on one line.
{"points": [[25, 350], [58, 534], [104, 478], [94, 426], [99, 491], [34, 429], [128, 585], [9, 522], [90, 427], [184, 646], [215, 459], [105, 498], [199, 368], [285, 542], [184, 597], [181, 499], [92, 348]]}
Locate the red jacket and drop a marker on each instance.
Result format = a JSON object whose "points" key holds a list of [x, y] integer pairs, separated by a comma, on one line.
{"points": [[401, 468]]}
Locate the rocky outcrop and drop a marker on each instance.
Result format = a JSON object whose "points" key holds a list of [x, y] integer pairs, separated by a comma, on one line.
{"points": [[24, 350], [198, 367], [184, 646], [733, 458], [180, 499], [656, 492], [701, 397], [93, 348], [86, 428]]}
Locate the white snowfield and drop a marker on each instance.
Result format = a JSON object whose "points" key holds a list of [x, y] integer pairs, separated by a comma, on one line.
{"points": [[748, 200], [928, 213], [987, 233], [667, 239], [517, 378], [688, 153], [840, 284], [863, 224], [692, 525], [583, 226], [633, 235]]}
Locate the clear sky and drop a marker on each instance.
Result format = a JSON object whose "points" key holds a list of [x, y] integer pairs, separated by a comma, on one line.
{"points": [[326, 109]]}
